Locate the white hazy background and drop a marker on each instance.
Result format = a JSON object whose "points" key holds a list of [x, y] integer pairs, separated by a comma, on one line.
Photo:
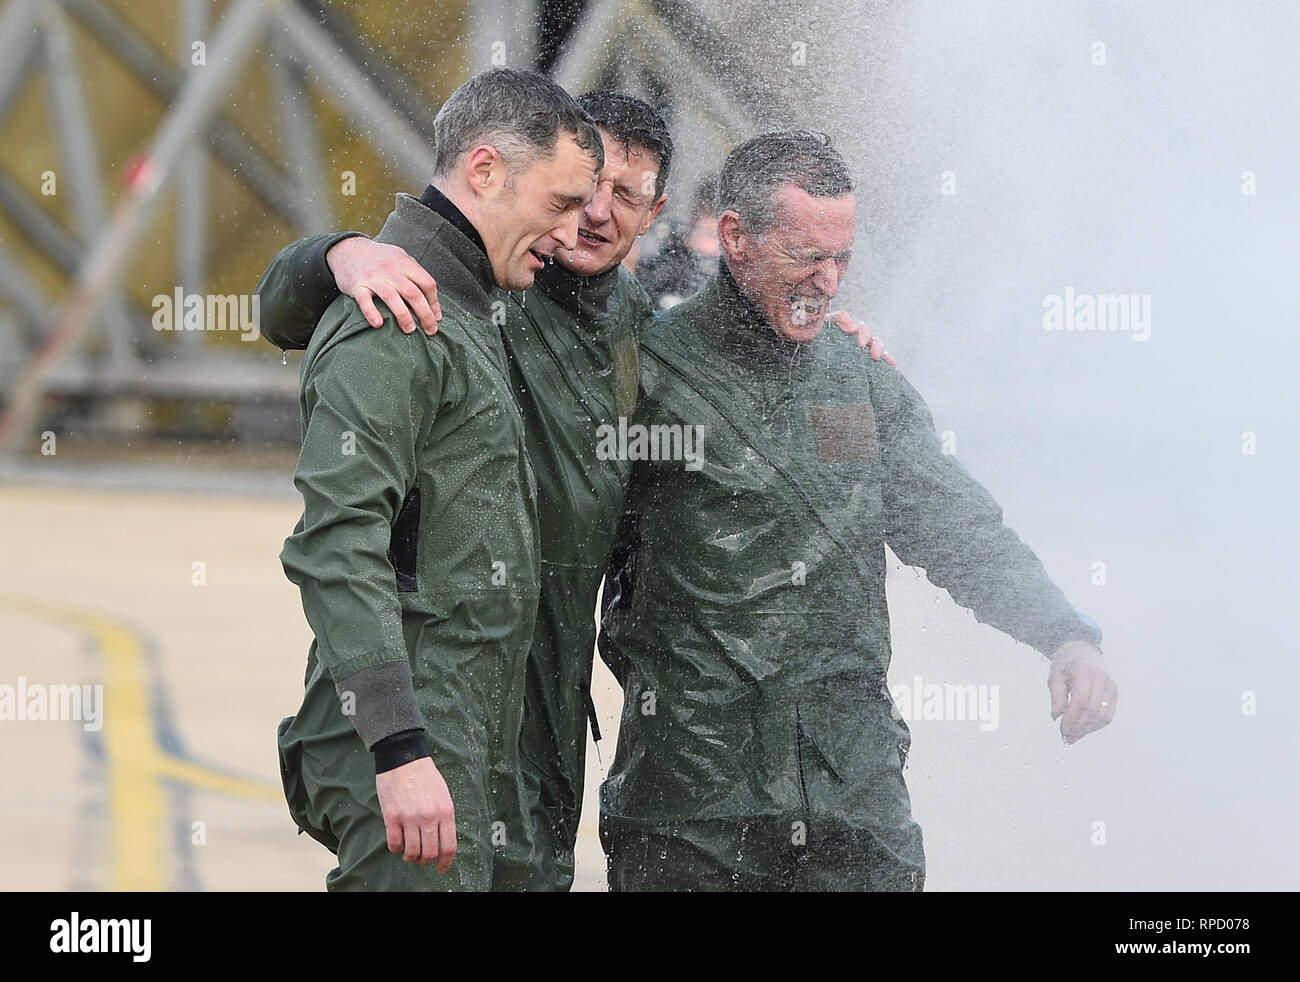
{"points": [[1123, 178]]}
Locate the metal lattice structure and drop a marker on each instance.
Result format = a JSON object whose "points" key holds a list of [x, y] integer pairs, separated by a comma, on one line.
{"points": [[658, 50]]}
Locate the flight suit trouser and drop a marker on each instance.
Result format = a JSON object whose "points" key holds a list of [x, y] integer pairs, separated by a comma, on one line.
{"points": [[329, 783], [730, 857]]}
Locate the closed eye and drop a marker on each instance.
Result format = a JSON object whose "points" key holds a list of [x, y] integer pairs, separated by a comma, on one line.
{"points": [[562, 204]]}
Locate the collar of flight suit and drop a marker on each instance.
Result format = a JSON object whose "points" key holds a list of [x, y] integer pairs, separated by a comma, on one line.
{"points": [[584, 297], [736, 328], [443, 246]]}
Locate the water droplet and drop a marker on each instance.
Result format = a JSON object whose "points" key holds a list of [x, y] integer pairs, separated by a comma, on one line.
{"points": [[284, 357]]}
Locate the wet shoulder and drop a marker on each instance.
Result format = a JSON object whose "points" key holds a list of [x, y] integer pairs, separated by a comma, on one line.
{"points": [[672, 331], [343, 323], [629, 304], [850, 368], [671, 353]]}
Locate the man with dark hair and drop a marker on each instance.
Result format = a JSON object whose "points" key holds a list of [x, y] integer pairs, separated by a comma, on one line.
{"points": [[746, 618], [417, 552], [571, 351]]}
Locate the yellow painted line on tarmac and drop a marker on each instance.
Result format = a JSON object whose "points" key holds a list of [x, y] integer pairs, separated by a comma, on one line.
{"points": [[210, 780], [135, 800], [137, 807]]}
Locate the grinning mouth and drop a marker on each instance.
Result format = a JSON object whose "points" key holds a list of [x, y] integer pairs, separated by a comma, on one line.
{"points": [[805, 309], [543, 259], [592, 237]]}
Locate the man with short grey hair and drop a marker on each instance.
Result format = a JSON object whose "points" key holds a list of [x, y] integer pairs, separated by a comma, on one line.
{"points": [[511, 118], [417, 552], [757, 166], [746, 616]]}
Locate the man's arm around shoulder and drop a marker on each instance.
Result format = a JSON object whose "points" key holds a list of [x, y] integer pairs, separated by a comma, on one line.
{"points": [[307, 275]]}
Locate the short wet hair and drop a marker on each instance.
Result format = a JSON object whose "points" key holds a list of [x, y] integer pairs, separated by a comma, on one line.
{"points": [[758, 168], [633, 123], [521, 114]]}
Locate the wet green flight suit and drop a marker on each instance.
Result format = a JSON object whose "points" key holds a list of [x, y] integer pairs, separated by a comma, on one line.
{"points": [[417, 559], [571, 345], [746, 613]]}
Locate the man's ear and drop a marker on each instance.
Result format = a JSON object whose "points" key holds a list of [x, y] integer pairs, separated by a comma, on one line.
{"points": [[485, 170], [654, 213], [731, 235]]}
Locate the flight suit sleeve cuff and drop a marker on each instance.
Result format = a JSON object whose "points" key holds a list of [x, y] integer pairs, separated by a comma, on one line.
{"points": [[398, 749], [312, 280], [1083, 628], [380, 700]]}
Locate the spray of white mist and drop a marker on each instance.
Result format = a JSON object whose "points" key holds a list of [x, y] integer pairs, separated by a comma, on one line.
{"points": [[1007, 153]]}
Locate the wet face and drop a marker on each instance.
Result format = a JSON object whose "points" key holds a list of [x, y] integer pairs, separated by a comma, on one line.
{"points": [[792, 271], [534, 215], [622, 208]]}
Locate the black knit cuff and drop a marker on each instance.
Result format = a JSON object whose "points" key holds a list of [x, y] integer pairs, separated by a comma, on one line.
{"points": [[313, 283], [398, 749]]}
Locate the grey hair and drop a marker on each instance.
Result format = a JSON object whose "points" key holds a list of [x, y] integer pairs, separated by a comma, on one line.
{"points": [[521, 114], [759, 167]]}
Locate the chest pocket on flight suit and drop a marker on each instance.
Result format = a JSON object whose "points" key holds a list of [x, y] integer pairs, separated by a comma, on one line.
{"points": [[845, 433]]}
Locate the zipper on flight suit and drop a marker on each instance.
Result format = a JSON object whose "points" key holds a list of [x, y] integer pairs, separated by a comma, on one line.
{"points": [[571, 378], [798, 752]]}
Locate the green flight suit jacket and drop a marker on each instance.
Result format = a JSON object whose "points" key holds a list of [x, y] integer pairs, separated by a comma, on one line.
{"points": [[747, 618]]}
